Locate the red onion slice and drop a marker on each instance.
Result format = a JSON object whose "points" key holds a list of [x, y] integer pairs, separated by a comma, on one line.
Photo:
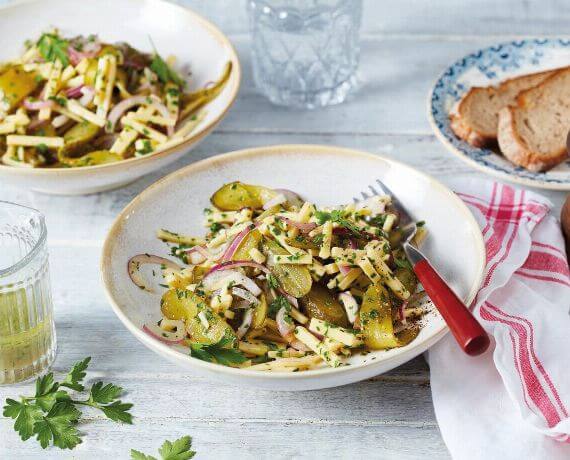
{"points": [[90, 50], [135, 262], [303, 227], [74, 92], [284, 323], [292, 300], [246, 295], [231, 249], [237, 264], [38, 105], [276, 200], [214, 280], [165, 336], [402, 312], [292, 197], [350, 305], [300, 346], [245, 324], [88, 95]]}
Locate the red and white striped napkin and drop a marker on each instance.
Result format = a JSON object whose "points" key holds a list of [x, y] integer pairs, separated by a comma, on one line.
{"points": [[513, 402]]}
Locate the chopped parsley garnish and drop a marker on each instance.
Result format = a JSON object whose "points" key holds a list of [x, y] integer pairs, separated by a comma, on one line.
{"points": [[53, 48], [338, 217], [278, 303], [58, 100], [216, 227], [272, 281]]}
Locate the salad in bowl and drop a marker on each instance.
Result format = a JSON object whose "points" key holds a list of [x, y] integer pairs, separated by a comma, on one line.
{"points": [[280, 284]]}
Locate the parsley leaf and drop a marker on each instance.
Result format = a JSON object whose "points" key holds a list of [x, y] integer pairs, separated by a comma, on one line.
{"points": [[59, 426], [118, 412], [25, 415], [176, 450], [52, 48], [51, 414], [104, 394], [218, 352], [163, 71], [76, 375], [337, 217]]}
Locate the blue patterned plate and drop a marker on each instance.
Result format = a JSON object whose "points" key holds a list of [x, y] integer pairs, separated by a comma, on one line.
{"points": [[487, 67]]}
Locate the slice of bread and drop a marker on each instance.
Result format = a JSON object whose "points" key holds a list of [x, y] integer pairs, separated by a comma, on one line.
{"points": [[476, 117], [532, 133]]}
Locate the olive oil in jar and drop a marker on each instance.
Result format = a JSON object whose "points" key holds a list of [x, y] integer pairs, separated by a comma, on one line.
{"points": [[27, 333]]}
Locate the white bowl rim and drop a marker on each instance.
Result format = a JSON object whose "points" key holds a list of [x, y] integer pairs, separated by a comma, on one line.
{"points": [[252, 152], [207, 129]]}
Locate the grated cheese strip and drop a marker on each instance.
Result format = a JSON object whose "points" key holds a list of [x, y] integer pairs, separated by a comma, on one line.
{"points": [[51, 88], [77, 109], [155, 119], [330, 357], [7, 127], [100, 87], [128, 135], [34, 141], [340, 334], [288, 363], [143, 129], [62, 110], [349, 278], [325, 251], [109, 82], [172, 100]]}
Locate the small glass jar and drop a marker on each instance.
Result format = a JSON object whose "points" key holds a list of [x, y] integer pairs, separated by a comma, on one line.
{"points": [[305, 53], [27, 331]]}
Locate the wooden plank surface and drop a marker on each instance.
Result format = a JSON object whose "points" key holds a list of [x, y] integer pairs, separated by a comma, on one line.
{"points": [[405, 46]]}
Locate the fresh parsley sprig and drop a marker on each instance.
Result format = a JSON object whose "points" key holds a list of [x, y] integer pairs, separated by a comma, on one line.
{"points": [[221, 352], [51, 415], [176, 450]]}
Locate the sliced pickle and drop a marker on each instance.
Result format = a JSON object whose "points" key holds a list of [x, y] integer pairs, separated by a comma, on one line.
{"points": [[294, 279], [236, 195], [376, 321], [251, 240], [260, 313], [181, 304], [216, 330], [320, 303]]}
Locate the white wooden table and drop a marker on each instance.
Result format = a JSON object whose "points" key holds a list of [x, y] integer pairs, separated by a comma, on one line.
{"points": [[404, 47]]}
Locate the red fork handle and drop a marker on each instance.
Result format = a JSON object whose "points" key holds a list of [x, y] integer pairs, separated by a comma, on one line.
{"points": [[469, 334]]}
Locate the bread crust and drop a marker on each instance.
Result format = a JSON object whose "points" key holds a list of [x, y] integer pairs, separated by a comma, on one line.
{"points": [[464, 130], [516, 150]]}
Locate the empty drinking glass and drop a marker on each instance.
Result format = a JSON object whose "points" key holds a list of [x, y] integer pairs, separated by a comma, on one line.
{"points": [[305, 53], [27, 332]]}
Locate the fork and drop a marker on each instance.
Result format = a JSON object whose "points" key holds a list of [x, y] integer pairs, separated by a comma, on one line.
{"points": [[467, 331]]}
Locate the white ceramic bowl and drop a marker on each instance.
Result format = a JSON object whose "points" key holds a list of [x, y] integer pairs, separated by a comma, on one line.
{"points": [[323, 175], [174, 30]]}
